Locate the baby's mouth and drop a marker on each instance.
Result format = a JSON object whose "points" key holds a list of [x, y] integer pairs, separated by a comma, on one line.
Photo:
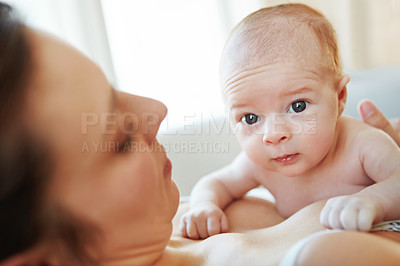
{"points": [[286, 159]]}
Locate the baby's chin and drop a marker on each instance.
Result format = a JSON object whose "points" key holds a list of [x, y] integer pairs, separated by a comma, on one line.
{"points": [[291, 170]]}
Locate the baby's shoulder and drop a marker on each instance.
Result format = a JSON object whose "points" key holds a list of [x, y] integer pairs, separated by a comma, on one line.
{"points": [[348, 125], [352, 131]]}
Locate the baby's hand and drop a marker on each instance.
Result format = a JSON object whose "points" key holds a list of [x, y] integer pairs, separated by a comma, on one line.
{"points": [[353, 212], [203, 221]]}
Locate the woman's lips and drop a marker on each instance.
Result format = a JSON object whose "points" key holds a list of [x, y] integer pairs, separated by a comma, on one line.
{"points": [[167, 167], [286, 159]]}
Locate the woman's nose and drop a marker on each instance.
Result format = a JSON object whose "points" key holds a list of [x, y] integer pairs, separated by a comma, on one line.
{"points": [[153, 114], [149, 112]]}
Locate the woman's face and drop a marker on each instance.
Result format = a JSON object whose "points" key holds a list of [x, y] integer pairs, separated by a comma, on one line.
{"points": [[110, 170]]}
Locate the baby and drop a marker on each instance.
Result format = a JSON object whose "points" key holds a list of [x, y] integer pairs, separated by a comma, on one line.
{"points": [[285, 92]]}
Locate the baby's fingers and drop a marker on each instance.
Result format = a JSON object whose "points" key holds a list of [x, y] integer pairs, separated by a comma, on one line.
{"points": [[334, 218], [366, 217], [352, 218], [324, 217], [214, 226], [330, 215], [349, 213], [191, 230], [182, 227], [217, 225], [188, 228], [201, 226], [224, 224], [349, 218]]}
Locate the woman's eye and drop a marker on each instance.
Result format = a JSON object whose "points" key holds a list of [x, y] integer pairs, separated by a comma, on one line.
{"points": [[250, 119], [125, 146], [298, 107]]}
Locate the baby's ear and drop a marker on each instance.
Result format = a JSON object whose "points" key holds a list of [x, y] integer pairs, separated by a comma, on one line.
{"points": [[342, 93]]}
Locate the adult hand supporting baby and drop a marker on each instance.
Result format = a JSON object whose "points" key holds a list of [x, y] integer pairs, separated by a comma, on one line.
{"points": [[371, 115]]}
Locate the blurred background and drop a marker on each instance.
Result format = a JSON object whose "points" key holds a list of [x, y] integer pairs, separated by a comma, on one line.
{"points": [[170, 49]]}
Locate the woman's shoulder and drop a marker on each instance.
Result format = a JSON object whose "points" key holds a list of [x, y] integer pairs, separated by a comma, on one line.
{"points": [[231, 248]]}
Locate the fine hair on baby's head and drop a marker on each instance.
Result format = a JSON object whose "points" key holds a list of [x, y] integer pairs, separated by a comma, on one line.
{"points": [[284, 34]]}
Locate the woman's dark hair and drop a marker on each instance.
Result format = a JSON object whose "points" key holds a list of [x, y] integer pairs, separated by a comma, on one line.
{"points": [[25, 165]]}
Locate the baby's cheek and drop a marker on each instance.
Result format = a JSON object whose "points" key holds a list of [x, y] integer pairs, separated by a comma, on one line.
{"points": [[321, 140], [255, 149]]}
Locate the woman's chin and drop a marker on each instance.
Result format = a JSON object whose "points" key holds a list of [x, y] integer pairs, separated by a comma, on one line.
{"points": [[176, 197]]}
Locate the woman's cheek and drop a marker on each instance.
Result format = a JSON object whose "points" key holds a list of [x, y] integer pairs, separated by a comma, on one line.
{"points": [[135, 179]]}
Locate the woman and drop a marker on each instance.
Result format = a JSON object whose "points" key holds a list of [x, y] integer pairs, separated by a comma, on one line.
{"points": [[65, 202]]}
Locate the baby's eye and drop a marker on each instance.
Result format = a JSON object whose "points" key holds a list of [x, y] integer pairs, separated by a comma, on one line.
{"points": [[298, 107], [250, 119]]}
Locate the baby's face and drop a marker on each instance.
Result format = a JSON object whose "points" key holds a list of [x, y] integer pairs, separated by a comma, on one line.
{"points": [[284, 116]]}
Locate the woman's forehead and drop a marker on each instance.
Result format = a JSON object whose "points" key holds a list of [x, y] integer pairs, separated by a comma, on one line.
{"points": [[65, 86], [62, 74]]}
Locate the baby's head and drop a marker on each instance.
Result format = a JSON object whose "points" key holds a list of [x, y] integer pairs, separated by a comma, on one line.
{"points": [[283, 87], [289, 33]]}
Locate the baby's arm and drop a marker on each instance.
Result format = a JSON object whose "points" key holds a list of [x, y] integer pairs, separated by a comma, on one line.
{"points": [[380, 158], [212, 194]]}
